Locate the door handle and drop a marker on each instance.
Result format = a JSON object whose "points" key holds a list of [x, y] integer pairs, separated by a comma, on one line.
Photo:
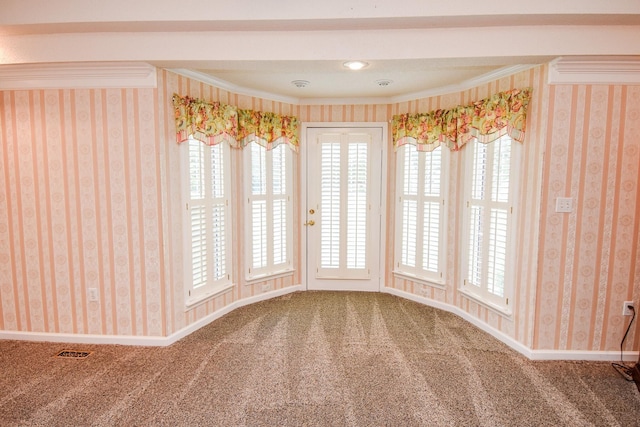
{"points": [[311, 222]]}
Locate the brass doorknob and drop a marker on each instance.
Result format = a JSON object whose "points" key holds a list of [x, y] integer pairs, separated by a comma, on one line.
{"points": [[311, 222]]}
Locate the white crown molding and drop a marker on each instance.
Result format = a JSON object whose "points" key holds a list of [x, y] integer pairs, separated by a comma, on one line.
{"points": [[78, 75], [595, 70], [225, 85], [444, 90], [465, 85]]}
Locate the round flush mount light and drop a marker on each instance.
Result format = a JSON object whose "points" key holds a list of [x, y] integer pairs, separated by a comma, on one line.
{"points": [[300, 83], [384, 82], [355, 65]]}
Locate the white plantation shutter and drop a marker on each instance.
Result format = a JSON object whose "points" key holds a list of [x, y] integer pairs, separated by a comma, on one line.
{"points": [[330, 190], [208, 219], [490, 214], [344, 206], [356, 223], [270, 204], [420, 205]]}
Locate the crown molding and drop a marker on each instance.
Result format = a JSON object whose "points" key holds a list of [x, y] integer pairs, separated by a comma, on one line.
{"points": [[225, 85], [595, 70], [78, 75], [465, 85]]}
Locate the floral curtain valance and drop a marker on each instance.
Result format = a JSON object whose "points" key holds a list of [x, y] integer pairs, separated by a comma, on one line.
{"points": [[213, 122], [486, 120]]}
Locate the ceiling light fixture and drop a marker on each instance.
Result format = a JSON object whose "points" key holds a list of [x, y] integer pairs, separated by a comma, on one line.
{"points": [[300, 83], [355, 65]]}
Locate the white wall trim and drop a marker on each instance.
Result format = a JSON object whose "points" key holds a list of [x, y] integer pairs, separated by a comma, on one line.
{"points": [[444, 90], [599, 356], [231, 87], [527, 352], [90, 75], [144, 340], [595, 70]]}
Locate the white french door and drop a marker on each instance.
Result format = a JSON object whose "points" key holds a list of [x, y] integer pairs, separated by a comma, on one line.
{"points": [[342, 217]]}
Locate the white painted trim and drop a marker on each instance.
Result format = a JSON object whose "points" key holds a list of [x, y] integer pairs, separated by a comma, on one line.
{"points": [[444, 90], [499, 335], [596, 356], [600, 356], [225, 85], [527, 352], [594, 70], [90, 75], [465, 85], [84, 338], [144, 340], [227, 309]]}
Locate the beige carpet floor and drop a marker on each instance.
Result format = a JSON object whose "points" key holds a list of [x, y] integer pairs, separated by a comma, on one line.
{"points": [[313, 359]]}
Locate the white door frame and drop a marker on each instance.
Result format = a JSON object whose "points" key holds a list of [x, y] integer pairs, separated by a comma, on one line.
{"points": [[303, 192]]}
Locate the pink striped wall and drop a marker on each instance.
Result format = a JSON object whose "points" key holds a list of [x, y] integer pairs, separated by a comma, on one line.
{"points": [[90, 197], [81, 208], [589, 257], [573, 270]]}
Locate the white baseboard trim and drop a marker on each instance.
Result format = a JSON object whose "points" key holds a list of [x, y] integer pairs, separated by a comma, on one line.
{"points": [[596, 356], [146, 341], [83, 338], [228, 309], [600, 356]]}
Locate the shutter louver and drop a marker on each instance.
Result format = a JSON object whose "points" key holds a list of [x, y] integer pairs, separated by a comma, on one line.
{"points": [[330, 205], [199, 245], [357, 206]]}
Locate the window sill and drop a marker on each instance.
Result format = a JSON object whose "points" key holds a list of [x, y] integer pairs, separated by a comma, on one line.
{"points": [[268, 276], [194, 302], [502, 311], [440, 284]]}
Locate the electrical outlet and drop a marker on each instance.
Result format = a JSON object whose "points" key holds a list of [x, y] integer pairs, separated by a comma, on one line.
{"points": [[93, 294], [626, 311], [564, 204], [266, 287]]}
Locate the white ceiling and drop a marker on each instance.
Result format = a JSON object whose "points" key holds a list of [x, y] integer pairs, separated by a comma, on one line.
{"points": [[259, 48]]}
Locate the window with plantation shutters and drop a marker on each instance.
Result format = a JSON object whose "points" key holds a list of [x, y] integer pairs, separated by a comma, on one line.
{"points": [[489, 218], [420, 206], [208, 240], [269, 213]]}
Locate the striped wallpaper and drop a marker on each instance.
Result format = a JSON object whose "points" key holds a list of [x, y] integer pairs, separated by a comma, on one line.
{"points": [[90, 198]]}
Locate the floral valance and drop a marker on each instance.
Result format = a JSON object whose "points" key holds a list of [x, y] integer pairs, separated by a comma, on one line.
{"points": [[486, 120], [214, 122]]}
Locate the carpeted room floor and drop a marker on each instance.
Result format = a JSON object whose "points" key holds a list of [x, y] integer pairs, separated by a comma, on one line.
{"points": [[313, 359]]}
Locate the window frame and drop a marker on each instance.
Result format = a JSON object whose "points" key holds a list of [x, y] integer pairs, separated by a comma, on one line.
{"points": [[480, 293], [269, 270], [196, 294], [417, 272]]}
